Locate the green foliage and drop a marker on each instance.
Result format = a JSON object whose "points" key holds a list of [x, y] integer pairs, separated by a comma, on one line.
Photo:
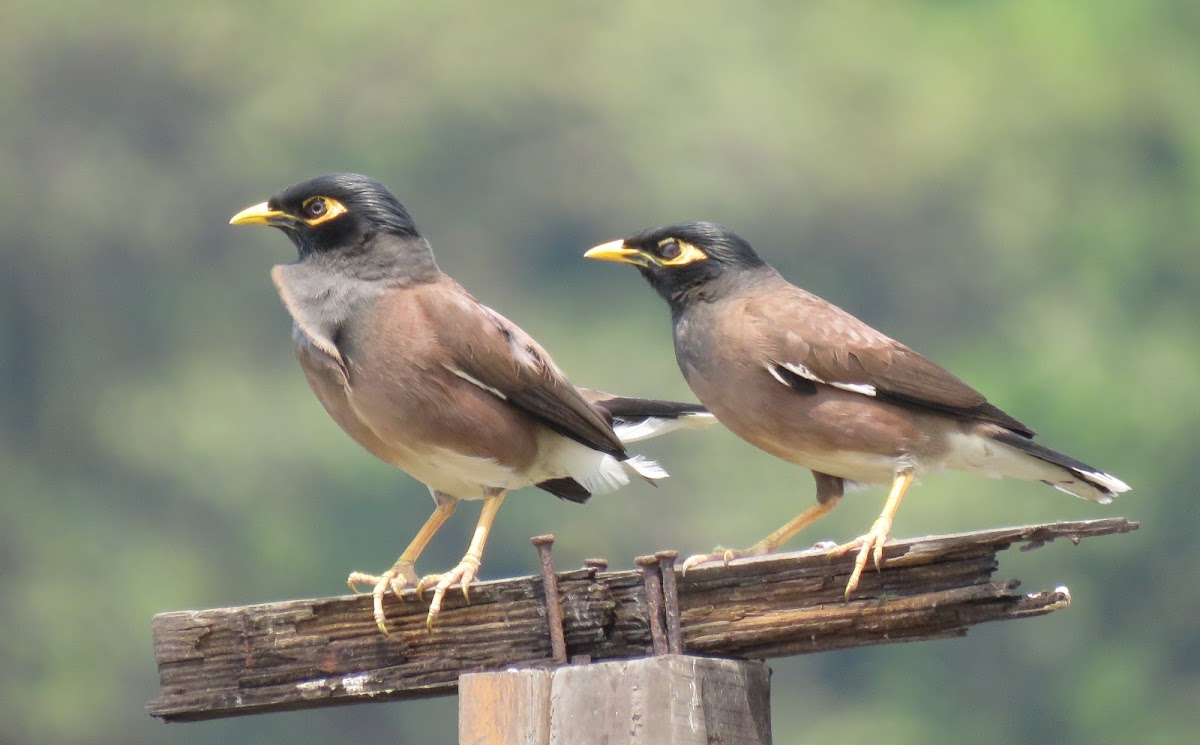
{"points": [[1009, 187]]}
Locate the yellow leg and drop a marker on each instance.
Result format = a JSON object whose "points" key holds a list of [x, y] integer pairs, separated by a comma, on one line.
{"points": [[771, 542], [403, 573], [464, 573], [791, 528], [871, 544]]}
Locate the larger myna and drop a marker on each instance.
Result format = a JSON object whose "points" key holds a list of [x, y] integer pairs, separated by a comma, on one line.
{"points": [[426, 378], [807, 382]]}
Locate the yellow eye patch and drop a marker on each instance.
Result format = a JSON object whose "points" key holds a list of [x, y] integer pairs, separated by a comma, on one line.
{"points": [[317, 210], [687, 253]]}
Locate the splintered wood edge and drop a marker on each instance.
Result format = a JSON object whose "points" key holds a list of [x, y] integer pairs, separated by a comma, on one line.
{"points": [[995, 539], [605, 618]]}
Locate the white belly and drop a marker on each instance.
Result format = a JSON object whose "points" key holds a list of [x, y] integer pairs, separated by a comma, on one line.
{"points": [[864, 468], [461, 476], [471, 477]]}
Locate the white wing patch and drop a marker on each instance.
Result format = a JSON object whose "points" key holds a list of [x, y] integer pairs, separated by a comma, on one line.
{"points": [[802, 371], [775, 373], [865, 389], [476, 382]]}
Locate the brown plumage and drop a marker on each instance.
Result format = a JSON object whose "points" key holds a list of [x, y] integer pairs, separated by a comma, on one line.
{"points": [[809, 383], [428, 379], [483, 383]]}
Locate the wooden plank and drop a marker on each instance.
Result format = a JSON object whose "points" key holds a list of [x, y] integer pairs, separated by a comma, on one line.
{"points": [[667, 700], [504, 708], [307, 653]]}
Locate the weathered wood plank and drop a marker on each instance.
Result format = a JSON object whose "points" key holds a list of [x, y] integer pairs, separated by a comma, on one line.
{"points": [[306, 653]]}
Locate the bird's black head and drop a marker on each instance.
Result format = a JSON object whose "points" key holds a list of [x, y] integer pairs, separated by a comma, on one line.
{"points": [[685, 262], [343, 217]]}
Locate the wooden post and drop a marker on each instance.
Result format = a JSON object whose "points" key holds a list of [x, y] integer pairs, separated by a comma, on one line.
{"points": [[667, 700], [511, 707]]}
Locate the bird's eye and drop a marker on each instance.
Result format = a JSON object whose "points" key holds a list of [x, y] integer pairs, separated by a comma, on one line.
{"points": [[315, 207], [669, 250]]}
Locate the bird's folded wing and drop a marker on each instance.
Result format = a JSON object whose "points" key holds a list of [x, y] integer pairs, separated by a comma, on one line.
{"points": [[816, 340], [486, 349], [628, 407]]}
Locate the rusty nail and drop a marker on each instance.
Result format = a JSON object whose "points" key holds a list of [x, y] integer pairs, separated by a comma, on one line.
{"points": [[554, 617], [598, 564], [666, 565], [652, 581]]}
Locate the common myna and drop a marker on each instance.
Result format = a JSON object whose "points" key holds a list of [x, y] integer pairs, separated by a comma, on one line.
{"points": [[809, 383], [426, 378]]}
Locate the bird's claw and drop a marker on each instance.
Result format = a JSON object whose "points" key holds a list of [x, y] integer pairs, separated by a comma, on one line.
{"points": [[401, 575], [462, 575], [721, 554], [868, 546]]}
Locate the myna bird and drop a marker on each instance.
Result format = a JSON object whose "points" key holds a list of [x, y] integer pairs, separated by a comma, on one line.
{"points": [[426, 378], [809, 383]]}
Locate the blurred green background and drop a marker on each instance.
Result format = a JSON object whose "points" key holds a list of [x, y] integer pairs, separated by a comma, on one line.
{"points": [[1011, 188]]}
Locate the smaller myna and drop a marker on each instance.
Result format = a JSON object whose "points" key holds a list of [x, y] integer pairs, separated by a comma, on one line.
{"points": [[428, 379], [809, 383]]}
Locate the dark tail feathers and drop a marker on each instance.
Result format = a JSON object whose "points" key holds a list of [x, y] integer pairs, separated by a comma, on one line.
{"points": [[1078, 478]]}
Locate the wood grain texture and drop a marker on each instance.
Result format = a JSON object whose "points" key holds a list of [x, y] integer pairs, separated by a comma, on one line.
{"points": [[308, 653], [511, 707], [667, 700]]}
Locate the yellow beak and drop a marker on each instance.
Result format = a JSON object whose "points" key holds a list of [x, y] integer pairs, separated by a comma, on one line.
{"points": [[616, 251], [261, 214]]}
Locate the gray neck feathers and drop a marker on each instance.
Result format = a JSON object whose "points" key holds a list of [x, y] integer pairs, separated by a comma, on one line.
{"points": [[326, 292], [397, 261], [718, 287]]}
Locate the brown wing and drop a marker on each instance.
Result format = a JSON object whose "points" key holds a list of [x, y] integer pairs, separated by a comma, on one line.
{"points": [[825, 344], [492, 352]]}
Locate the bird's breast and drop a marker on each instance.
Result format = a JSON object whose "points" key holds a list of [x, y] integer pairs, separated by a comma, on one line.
{"points": [[402, 404]]}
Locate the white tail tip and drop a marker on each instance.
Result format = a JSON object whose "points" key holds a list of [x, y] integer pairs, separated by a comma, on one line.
{"points": [[644, 429], [1106, 481], [645, 468]]}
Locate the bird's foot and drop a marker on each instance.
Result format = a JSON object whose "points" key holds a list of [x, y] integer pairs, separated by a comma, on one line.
{"points": [[723, 555], [868, 546], [401, 575], [462, 575]]}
